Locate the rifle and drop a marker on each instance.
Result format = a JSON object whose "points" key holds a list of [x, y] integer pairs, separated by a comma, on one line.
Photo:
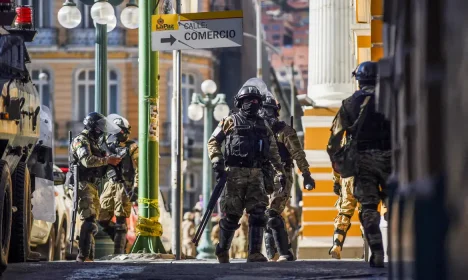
{"points": [[74, 169], [211, 205]]}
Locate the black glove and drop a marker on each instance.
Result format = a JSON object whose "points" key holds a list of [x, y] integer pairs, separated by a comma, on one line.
{"points": [[337, 189], [282, 180], [218, 169], [309, 183]]}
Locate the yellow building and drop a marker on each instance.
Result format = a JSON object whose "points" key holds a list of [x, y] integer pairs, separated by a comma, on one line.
{"points": [[342, 35], [67, 57]]}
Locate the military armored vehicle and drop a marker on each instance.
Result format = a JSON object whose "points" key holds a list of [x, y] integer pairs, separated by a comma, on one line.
{"points": [[20, 124]]}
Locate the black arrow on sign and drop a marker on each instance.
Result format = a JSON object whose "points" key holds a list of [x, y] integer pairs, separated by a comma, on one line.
{"points": [[169, 40]]}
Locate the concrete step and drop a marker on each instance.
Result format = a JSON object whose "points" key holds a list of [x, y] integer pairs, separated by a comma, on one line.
{"points": [[318, 247]]}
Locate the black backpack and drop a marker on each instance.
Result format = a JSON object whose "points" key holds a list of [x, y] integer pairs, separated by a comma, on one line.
{"points": [[345, 159]]}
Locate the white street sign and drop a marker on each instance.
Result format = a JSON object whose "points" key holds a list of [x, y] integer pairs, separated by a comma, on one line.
{"points": [[197, 31]]}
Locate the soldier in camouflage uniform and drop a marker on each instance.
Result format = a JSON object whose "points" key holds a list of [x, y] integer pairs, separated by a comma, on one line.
{"points": [[373, 164], [92, 162], [121, 189], [276, 237], [249, 142]]}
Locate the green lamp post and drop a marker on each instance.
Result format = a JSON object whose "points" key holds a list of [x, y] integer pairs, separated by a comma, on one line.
{"points": [[103, 15], [209, 105]]}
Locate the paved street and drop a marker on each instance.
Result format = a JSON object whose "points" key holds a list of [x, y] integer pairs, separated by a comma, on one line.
{"points": [[195, 269]]}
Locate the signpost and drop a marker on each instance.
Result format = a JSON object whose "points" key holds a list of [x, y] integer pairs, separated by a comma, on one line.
{"points": [[197, 31], [178, 32]]}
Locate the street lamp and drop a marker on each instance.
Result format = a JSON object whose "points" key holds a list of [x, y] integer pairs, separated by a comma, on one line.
{"points": [[103, 15], [209, 105]]}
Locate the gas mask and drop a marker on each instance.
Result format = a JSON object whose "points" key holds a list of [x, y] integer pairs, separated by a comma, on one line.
{"points": [[122, 136], [250, 107]]}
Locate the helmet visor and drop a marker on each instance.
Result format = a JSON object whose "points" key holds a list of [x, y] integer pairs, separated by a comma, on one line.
{"points": [[258, 83], [106, 126]]}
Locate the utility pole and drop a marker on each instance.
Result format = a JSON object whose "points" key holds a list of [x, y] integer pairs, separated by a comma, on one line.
{"points": [[149, 229], [176, 149], [259, 39], [100, 98], [292, 85]]}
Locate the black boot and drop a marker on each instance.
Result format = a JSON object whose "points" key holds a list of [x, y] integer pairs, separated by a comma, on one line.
{"points": [[86, 242], [373, 235], [227, 228], [255, 244], [282, 243], [120, 239], [270, 245]]}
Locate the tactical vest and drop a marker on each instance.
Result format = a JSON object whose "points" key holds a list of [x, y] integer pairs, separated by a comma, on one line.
{"points": [[89, 174], [283, 151], [124, 171], [375, 130], [247, 144]]}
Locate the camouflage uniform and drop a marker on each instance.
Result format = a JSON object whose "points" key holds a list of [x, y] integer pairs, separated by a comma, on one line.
{"points": [[290, 149], [188, 232], [91, 163], [244, 187], [114, 198], [373, 166]]}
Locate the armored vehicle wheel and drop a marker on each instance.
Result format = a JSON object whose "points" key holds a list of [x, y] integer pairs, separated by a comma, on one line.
{"points": [[22, 218], [5, 214]]}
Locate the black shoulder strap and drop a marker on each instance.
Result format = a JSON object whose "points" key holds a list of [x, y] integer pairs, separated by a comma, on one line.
{"points": [[360, 120]]}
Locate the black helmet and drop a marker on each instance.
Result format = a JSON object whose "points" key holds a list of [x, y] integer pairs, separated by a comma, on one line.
{"points": [[271, 107], [91, 122], [366, 71], [247, 92]]}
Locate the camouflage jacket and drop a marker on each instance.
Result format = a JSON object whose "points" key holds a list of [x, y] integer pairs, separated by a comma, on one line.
{"points": [[287, 139], [226, 126], [87, 152]]}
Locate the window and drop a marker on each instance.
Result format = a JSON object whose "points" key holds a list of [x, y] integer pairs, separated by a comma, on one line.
{"points": [[43, 12], [85, 92], [276, 27], [188, 88], [276, 37], [42, 85]]}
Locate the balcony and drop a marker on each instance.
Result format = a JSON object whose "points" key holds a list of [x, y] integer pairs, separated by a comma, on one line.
{"points": [[45, 37], [86, 37]]}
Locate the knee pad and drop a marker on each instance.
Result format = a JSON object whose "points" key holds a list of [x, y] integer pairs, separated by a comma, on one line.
{"points": [[230, 223], [89, 227], [257, 217], [275, 222]]}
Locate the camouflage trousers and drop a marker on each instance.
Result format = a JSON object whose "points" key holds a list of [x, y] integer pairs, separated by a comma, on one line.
{"points": [[244, 190], [373, 170], [88, 200], [278, 199], [114, 201], [346, 205]]}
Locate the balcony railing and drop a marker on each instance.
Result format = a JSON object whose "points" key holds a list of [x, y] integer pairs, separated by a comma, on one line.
{"points": [[45, 37], [86, 37]]}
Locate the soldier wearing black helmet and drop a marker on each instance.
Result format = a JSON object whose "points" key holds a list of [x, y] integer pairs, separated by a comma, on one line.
{"points": [[276, 237], [249, 142], [92, 161], [371, 134]]}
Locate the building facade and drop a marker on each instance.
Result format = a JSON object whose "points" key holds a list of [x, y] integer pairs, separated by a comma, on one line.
{"points": [[342, 35], [67, 57]]}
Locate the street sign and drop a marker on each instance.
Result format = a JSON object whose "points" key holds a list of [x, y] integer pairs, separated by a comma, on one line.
{"points": [[197, 31]]}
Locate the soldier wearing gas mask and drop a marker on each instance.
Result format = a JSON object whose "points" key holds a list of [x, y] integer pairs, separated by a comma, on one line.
{"points": [[91, 161], [276, 236], [249, 142], [121, 189]]}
